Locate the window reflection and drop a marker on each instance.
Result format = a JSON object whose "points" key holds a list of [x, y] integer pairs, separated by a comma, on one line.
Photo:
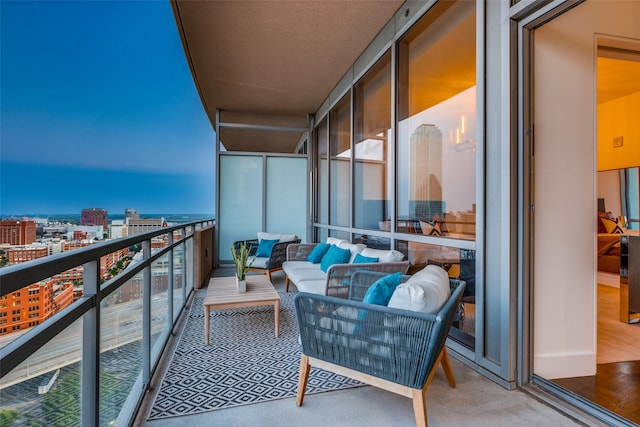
{"points": [[323, 177], [372, 125], [459, 264], [339, 150], [437, 125]]}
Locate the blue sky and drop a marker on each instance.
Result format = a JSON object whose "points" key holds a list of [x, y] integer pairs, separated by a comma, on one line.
{"points": [[99, 109]]}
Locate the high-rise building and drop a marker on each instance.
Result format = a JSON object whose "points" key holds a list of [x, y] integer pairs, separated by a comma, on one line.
{"points": [[425, 179], [94, 216], [131, 213], [17, 232]]}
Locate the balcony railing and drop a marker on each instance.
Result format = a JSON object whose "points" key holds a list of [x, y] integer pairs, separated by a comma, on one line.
{"points": [[90, 363]]}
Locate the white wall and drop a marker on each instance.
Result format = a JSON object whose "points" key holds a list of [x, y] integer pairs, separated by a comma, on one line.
{"points": [[564, 287]]}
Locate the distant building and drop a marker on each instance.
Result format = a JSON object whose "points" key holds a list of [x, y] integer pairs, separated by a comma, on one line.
{"points": [[79, 235], [17, 232], [53, 231], [94, 216], [117, 229], [24, 253], [142, 225], [32, 305], [55, 246], [90, 232], [131, 213]]}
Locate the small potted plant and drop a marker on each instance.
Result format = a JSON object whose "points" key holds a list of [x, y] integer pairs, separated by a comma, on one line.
{"points": [[240, 253]]}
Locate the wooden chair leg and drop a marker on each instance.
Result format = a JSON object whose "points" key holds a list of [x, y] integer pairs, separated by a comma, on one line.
{"points": [[446, 367], [286, 281], [269, 275], [419, 407], [303, 377]]}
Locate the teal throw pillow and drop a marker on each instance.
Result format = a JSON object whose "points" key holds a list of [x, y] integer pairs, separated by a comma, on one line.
{"points": [[318, 252], [265, 247], [380, 292], [334, 255], [360, 259]]}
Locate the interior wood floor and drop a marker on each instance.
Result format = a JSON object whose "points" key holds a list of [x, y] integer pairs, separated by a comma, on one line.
{"points": [[616, 385]]}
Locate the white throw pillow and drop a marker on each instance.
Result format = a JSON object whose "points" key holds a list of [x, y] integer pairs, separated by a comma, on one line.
{"points": [[280, 237], [334, 241], [426, 291], [383, 255], [355, 249]]}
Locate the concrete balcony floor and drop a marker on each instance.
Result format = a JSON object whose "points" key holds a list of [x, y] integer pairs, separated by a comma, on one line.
{"points": [[475, 401]]}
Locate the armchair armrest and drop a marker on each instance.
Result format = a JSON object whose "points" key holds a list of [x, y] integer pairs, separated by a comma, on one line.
{"points": [[279, 253]]}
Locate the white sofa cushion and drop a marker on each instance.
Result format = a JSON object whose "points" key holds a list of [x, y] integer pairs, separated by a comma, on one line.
{"points": [[297, 275], [383, 255], [335, 241], [299, 265], [426, 291], [312, 286], [354, 248], [280, 237]]}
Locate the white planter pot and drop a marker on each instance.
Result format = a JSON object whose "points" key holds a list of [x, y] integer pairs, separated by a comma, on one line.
{"points": [[241, 285]]}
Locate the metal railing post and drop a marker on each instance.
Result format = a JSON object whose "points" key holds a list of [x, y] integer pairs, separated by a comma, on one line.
{"points": [[170, 285], [90, 382], [146, 316]]}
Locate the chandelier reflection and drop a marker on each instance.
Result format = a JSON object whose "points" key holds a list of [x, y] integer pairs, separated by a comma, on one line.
{"points": [[462, 142]]}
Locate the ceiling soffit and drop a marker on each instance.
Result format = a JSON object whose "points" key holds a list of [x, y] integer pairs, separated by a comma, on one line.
{"points": [[274, 58]]}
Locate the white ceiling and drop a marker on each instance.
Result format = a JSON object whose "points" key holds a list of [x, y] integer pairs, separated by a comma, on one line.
{"points": [[273, 62]]}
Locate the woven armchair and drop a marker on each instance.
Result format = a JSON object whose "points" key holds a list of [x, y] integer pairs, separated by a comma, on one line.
{"points": [[338, 276], [274, 262], [396, 350]]}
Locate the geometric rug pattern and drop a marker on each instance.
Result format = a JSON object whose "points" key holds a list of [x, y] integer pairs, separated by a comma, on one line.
{"points": [[245, 363]]}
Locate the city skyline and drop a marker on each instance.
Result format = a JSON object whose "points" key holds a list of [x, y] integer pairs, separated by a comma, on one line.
{"points": [[99, 109]]}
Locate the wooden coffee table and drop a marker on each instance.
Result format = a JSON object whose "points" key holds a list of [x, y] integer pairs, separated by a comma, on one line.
{"points": [[222, 293]]}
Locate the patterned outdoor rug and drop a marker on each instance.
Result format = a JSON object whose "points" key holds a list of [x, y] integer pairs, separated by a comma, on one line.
{"points": [[244, 364]]}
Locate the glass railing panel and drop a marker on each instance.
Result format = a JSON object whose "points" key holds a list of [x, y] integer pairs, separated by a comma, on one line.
{"points": [[120, 348], [44, 390], [189, 267], [178, 235], [26, 308], [160, 322], [159, 242], [113, 264], [178, 279]]}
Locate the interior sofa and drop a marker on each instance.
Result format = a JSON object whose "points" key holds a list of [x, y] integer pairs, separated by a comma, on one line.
{"points": [[272, 260], [309, 277]]}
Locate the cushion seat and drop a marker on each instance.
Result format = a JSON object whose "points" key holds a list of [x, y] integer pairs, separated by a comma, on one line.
{"points": [[259, 262], [303, 274], [312, 286], [300, 265]]}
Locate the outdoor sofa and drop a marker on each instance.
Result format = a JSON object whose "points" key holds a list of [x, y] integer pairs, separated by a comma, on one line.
{"points": [[309, 277], [275, 251]]}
